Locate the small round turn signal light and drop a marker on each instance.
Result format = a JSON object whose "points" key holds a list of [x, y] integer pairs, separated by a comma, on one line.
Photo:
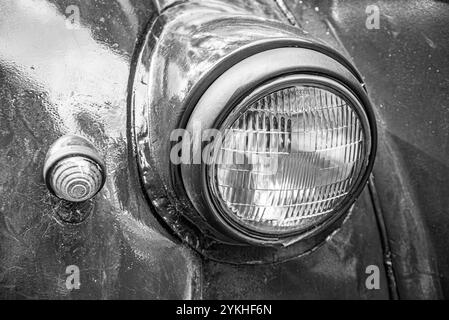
{"points": [[73, 169]]}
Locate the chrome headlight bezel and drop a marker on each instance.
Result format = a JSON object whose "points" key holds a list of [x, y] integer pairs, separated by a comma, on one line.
{"points": [[231, 89]]}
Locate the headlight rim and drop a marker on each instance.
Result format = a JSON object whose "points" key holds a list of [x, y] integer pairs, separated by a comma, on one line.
{"points": [[246, 234]]}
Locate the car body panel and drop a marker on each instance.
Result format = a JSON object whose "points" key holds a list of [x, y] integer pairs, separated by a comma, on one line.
{"points": [[55, 81], [404, 64]]}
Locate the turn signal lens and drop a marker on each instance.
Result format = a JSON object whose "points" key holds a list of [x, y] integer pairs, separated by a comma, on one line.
{"points": [[288, 158], [76, 179], [73, 169]]}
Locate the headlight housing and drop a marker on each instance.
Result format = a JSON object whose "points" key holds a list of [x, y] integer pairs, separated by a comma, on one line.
{"points": [[221, 61]]}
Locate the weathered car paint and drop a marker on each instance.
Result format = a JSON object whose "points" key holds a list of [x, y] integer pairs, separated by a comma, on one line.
{"points": [[336, 270], [54, 81], [404, 64]]}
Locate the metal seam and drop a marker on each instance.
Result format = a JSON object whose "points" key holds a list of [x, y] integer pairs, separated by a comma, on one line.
{"points": [[379, 216], [391, 279]]}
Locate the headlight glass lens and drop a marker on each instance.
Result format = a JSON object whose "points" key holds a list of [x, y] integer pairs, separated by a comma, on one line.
{"points": [[286, 160]]}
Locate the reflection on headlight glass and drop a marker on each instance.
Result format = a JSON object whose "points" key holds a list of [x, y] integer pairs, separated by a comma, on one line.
{"points": [[288, 160]]}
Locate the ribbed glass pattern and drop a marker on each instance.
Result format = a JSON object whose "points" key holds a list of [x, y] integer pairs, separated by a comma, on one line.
{"points": [[288, 160], [76, 179]]}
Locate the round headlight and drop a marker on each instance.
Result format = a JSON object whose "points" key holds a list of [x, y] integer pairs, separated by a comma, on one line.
{"points": [[289, 156], [289, 147], [294, 146]]}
